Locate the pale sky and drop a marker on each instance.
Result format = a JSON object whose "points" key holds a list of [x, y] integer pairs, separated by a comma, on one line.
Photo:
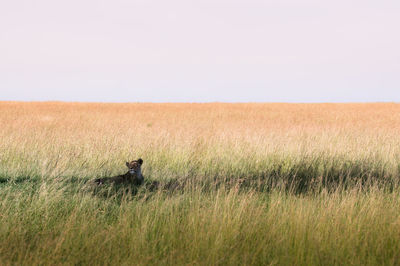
{"points": [[200, 51]]}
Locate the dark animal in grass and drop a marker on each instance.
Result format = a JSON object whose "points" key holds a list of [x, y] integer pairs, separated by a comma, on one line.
{"points": [[133, 176]]}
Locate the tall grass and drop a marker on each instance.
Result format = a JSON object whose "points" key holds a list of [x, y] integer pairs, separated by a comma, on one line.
{"points": [[240, 184]]}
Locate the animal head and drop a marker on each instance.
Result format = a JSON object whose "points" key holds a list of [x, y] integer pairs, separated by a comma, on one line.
{"points": [[134, 166]]}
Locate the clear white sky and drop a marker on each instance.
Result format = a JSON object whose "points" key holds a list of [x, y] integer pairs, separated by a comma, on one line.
{"points": [[198, 51]]}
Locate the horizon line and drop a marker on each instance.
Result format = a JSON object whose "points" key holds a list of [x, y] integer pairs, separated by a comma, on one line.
{"points": [[200, 102]]}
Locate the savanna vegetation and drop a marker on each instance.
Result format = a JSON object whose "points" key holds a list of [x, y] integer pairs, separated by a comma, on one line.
{"points": [[286, 184]]}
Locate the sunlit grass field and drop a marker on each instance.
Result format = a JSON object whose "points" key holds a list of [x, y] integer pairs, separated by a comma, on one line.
{"points": [[254, 184]]}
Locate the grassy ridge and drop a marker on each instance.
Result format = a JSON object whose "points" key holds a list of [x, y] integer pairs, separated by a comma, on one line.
{"points": [[241, 184]]}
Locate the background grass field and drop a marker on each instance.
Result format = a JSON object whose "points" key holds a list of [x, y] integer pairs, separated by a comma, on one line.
{"points": [[239, 184]]}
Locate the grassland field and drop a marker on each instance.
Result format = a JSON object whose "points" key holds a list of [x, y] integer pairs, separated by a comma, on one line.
{"points": [[240, 184]]}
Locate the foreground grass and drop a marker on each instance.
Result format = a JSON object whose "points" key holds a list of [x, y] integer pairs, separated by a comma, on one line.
{"points": [[44, 224], [239, 184]]}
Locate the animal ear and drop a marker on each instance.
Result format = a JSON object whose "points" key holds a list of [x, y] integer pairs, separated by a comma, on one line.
{"points": [[140, 161], [127, 164]]}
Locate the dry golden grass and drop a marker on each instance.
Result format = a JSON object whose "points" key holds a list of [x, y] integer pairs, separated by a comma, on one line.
{"points": [[87, 139], [294, 184]]}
